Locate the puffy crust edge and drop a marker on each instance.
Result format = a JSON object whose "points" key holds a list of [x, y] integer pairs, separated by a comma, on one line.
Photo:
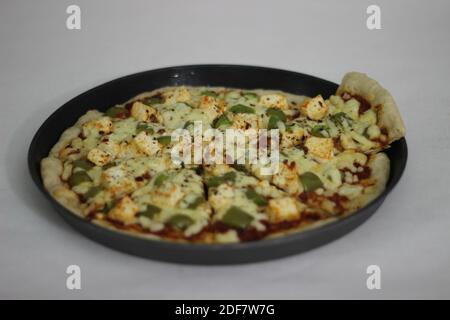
{"points": [[388, 116], [52, 167]]}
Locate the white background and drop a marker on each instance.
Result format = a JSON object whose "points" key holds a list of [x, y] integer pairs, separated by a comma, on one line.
{"points": [[42, 65]]}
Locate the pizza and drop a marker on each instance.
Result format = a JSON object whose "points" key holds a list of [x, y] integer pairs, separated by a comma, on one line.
{"points": [[116, 168]]}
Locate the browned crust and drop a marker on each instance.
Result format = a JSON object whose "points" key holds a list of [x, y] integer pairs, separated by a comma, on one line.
{"points": [[389, 117]]}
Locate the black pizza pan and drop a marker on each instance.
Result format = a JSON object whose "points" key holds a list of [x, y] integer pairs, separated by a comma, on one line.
{"points": [[237, 76]]}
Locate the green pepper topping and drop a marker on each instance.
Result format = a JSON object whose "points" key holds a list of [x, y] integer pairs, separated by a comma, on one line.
{"points": [[275, 116], [109, 165], [117, 112], [339, 118], [239, 167], [180, 221], [310, 181], [164, 140], [188, 124], [216, 181], [209, 93], [289, 127], [150, 211], [273, 123], [197, 201], [229, 176], [250, 96], [153, 100], [108, 206], [83, 164], [316, 130], [240, 108], [79, 177], [160, 179], [237, 218], [221, 121], [144, 127], [273, 112], [256, 197], [92, 192]]}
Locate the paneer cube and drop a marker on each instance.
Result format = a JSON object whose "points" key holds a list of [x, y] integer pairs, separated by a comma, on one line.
{"points": [[170, 195], [283, 209], [128, 150], [212, 107], [124, 211], [320, 147], [99, 157], [207, 102], [118, 181], [292, 138], [143, 112], [287, 178], [315, 109], [222, 197], [274, 101], [180, 94], [147, 144], [244, 121], [101, 125], [110, 146]]}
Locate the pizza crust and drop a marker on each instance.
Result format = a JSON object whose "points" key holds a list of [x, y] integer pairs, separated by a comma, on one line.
{"points": [[52, 167], [389, 117]]}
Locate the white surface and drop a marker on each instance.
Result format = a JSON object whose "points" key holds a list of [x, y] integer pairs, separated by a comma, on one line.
{"points": [[42, 65]]}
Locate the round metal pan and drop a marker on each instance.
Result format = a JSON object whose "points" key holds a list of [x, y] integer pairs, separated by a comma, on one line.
{"points": [[237, 76]]}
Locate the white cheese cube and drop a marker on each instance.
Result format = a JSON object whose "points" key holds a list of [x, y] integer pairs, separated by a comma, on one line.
{"points": [[287, 178], [147, 144], [124, 211], [109, 146], [320, 147], [180, 94], [245, 121], [292, 138], [222, 197], [274, 101], [145, 113], [99, 157], [315, 109], [283, 209], [101, 125], [118, 181]]}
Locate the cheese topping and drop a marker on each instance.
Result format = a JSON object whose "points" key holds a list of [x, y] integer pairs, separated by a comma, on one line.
{"points": [[117, 165]]}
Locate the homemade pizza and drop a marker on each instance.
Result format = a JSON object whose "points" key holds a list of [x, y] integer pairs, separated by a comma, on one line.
{"points": [[116, 168]]}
